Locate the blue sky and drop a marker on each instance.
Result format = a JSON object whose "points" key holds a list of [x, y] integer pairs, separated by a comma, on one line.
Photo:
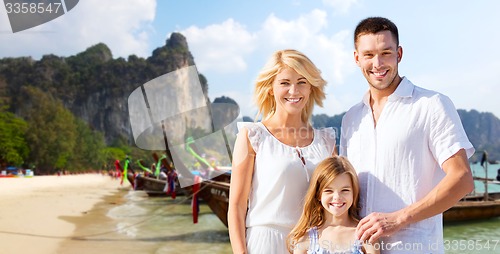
{"points": [[448, 46]]}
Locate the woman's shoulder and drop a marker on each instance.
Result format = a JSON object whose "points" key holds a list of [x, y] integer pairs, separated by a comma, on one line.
{"points": [[247, 125], [252, 131], [328, 136], [326, 131]]}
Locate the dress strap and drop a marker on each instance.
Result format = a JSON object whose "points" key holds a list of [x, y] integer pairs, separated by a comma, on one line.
{"points": [[356, 247], [313, 240]]}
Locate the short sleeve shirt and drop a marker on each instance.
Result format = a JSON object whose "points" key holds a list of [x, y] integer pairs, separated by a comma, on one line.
{"points": [[398, 161]]}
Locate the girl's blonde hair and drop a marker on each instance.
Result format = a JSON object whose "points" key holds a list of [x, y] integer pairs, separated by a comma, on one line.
{"points": [[280, 60], [313, 212]]}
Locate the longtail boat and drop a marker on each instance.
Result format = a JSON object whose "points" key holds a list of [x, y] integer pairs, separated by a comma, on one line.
{"points": [[155, 185], [473, 206], [215, 193]]}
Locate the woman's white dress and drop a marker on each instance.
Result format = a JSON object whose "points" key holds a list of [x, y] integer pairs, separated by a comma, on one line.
{"points": [[280, 181]]}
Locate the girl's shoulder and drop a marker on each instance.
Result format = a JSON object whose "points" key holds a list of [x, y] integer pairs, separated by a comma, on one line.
{"points": [[302, 246], [349, 229]]}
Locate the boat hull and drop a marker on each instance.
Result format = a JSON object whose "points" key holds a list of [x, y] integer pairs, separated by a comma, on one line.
{"points": [[136, 184], [216, 195], [155, 187], [472, 210]]}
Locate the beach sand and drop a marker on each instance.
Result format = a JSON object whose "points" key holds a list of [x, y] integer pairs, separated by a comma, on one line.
{"points": [[38, 214]]}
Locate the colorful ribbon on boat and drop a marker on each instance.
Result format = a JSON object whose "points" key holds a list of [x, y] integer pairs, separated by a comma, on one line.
{"points": [[125, 169], [158, 165], [171, 183], [134, 185], [190, 141], [195, 206], [143, 168], [118, 168]]}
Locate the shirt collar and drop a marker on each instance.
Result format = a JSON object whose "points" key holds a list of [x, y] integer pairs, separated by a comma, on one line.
{"points": [[404, 89]]}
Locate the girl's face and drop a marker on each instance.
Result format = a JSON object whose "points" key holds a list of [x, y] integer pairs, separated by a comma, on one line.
{"points": [[291, 91], [337, 197]]}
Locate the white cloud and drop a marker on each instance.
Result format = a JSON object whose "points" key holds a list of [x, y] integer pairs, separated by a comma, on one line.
{"points": [[471, 89], [224, 49], [123, 26], [307, 34], [334, 58], [340, 6], [281, 33], [331, 106], [220, 47]]}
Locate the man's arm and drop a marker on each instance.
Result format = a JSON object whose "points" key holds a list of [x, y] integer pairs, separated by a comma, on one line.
{"points": [[455, 185]]}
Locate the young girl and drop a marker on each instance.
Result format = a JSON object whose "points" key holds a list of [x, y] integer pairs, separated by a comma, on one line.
{"points": [[330, 212]]}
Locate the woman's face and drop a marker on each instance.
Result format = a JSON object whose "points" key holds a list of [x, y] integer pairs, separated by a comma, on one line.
{"points": [[291, 91]]}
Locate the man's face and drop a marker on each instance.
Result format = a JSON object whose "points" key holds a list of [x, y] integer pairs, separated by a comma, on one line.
{"points": [[378, 56]]}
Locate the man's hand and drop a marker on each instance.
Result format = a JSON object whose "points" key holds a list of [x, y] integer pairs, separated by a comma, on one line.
{"points": [[376, 225], [455, 185]]}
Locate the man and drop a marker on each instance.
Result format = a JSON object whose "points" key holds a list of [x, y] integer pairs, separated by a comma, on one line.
{"points": [[408, 147]]}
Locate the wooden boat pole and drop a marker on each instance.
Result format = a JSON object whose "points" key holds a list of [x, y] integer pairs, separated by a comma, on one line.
{"points": [[224, 135], [209, 104], [486, 196], [169, 159], [484, 163]]}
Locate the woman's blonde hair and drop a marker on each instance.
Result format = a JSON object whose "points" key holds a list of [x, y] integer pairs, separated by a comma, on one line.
{"points": [[280, 60], [313, 212]]}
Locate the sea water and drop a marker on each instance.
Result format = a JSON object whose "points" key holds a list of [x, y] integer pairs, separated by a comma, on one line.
{"points": [[476, 236], [165, 225]]}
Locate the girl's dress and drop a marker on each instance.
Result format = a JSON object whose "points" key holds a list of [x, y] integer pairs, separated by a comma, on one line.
{"points": [[280, 180], [316, 248]]}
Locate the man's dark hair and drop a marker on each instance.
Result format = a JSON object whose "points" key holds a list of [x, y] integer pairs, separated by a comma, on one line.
{"points": [[373, 25]]}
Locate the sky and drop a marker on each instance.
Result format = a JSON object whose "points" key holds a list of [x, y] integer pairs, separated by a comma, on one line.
{"points": [[448, 46]]}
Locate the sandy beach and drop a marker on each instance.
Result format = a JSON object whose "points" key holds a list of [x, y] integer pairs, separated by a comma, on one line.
{"points": [[35, 213]]}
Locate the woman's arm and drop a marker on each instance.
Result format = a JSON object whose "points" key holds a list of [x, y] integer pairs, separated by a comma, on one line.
{"points": [[241, 181]]}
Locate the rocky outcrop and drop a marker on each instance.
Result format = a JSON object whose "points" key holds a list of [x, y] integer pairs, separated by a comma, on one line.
{"points": [[93, 85]]}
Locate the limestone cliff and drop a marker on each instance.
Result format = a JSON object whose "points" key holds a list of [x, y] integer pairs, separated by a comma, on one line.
{"points": [[92, 84]]}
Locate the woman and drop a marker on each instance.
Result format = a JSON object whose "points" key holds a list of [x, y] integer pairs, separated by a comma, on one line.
{"points": [[273, 159]]}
